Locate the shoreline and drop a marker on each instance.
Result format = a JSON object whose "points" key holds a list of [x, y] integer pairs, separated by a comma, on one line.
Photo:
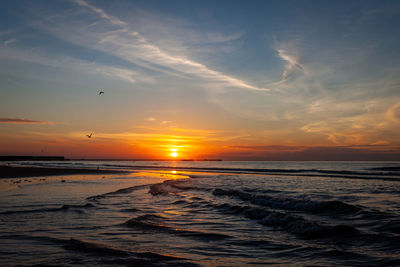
{"points": [[23, 172]]}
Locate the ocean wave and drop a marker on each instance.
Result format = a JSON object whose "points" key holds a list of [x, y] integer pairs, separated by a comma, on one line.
{"points": [[262, 243], [178, 202], [152, 222], [169, 186], [163, 188], [391, 226], [130, 210], [354, 258], [331, 207], [310, 230], [94, 248], [293, 224], [104, 253], [148, 221], [121, 256], [76, 208]]}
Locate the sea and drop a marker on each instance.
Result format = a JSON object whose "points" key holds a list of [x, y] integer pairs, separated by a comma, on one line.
{"points": [[203, 213]]}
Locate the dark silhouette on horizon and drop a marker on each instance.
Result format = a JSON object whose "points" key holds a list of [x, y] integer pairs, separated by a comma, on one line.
{"points": [[101, 92], [89, 136]]}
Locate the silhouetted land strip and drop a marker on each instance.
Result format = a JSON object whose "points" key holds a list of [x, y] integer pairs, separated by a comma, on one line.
{"points": [[15, 172], [31, 158]]}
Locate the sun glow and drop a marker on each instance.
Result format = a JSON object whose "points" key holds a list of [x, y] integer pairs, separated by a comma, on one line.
{"points": [[174, 152]]}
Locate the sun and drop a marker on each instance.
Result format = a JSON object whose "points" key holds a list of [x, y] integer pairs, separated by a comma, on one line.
{"points": [[174, 152]]}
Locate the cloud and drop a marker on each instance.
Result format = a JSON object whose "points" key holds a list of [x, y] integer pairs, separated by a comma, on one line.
{"points": [[382, 145], [9, 41], [116, 72], [290, 55], [315, 153], [272, 148], [37, 57], [219, 38], [134, 47], [162, 135], [101, 12], [393, 113], [22, 121]]}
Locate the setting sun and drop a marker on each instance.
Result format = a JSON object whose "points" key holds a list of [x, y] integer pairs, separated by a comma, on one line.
{"points": [[174, 153]]}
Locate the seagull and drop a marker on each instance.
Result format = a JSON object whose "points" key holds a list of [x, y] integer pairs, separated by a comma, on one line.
{"points": [[89, 136], [101, 92]]}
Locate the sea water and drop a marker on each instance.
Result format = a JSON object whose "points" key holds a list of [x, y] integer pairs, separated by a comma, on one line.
{"points": [[204, 214]]}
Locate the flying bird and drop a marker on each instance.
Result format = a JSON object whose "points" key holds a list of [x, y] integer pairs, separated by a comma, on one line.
{"points": [[89, 135], [101, 92]]}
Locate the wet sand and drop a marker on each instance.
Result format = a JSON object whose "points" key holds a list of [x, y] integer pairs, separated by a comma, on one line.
{"points": [[16, 172]]}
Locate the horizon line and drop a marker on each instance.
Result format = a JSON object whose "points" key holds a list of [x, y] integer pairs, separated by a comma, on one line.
{"points": [[63, 158]]}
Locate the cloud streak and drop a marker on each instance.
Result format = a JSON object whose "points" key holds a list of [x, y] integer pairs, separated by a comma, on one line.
{"points": [[315, 153], [119, 73], [9, 41], [293, 64], [134, 47], [101, 12], [393, 113], [22, 121]]}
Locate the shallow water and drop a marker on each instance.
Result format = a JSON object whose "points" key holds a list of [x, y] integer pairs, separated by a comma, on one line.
{"points": [[205, 213]]}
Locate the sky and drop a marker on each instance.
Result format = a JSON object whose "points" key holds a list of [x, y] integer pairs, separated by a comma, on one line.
{"points": [[232, 80]]}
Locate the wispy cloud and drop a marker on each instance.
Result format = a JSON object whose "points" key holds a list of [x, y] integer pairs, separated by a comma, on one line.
{"points": [[272, 148], [162, 135], [37, 57], [393, 113], [151, 119], [9, 41], [22, 121], [124, 74], [101, 12], [134, 47], [364, 152], [293, 65]]}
